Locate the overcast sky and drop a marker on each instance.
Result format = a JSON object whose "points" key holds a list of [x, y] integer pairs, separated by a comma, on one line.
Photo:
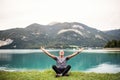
{"points": [[99, 14]]}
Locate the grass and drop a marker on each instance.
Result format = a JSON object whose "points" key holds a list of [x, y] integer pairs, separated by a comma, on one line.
{"points": [[50, 75]]}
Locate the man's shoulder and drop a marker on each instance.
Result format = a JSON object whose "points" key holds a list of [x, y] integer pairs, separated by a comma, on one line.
{"points": [[55, 58], [67, 58]]}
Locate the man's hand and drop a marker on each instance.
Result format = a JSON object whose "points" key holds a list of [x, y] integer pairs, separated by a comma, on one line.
{"points": [[46, 52], [42, 48], [75, 53], [81, 49]]}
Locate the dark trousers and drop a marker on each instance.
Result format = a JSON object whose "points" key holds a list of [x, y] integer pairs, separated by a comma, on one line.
{"points": [[62, 71]]}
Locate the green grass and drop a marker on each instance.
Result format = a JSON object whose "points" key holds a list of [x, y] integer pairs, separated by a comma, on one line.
{"points": [[50, 75]]}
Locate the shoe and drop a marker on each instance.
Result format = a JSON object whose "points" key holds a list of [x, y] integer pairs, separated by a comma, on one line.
{"points": [[58, 75]]}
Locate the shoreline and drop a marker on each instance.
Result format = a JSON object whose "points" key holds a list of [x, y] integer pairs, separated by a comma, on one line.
{"points": [[26, 51], [112, 49]]}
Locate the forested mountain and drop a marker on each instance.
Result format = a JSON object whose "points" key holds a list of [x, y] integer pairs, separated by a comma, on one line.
{"points": [[115, 33], [58, 35]]}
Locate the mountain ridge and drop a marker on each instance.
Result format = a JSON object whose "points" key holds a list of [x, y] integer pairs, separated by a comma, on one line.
{"points": [[55, 35]]}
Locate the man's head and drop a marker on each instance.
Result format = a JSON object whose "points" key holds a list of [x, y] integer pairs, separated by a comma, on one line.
{"points": [[61, 53]]}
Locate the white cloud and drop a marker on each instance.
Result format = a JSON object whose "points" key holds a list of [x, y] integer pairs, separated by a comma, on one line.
{"points": [[100, 14]]}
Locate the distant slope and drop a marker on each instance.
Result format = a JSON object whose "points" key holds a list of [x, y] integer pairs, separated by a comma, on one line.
{"points": [[115, 33], [55, 35]]}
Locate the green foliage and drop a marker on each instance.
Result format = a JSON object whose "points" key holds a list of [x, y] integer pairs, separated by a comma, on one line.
{"points": [[50, 75], [113, 44]]}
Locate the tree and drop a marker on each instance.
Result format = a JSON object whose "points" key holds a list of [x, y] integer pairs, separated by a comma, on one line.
{"points": [[113, 44]]}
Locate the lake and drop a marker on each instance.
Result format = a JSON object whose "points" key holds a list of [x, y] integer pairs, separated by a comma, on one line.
{"points": [[87, 61]]}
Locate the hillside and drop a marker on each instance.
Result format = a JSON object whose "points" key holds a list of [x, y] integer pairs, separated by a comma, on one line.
{"points": [[58, 35], [115, 33]]}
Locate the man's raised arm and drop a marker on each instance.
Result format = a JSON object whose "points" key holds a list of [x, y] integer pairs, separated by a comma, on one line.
{"points": [[49, 54], [74, 54]]}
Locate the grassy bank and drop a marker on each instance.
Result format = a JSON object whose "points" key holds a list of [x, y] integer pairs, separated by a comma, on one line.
{"points": [[50, 75]]}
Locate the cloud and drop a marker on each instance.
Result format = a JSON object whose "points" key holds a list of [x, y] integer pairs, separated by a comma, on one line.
{"points": [[94, 13]]}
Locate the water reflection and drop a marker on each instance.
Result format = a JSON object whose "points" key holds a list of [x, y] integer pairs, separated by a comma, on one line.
{"points": [[105, 68], [5, 57], [89, 60], [86, 61]]}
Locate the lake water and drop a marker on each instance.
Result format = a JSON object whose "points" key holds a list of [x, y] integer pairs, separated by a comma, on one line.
{"points": [[87, 61]]}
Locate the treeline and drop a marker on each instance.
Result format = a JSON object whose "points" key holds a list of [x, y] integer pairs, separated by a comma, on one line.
{"points": [[113, 44]]}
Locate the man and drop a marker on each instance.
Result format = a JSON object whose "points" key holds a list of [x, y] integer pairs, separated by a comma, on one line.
{"points": [[61, 68]]}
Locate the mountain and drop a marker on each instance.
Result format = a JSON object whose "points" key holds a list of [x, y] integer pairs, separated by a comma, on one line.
{"points": [[115, 33], [57, 35]]}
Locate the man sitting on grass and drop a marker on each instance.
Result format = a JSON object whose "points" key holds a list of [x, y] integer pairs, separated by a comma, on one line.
{"points": [[61, 68]]}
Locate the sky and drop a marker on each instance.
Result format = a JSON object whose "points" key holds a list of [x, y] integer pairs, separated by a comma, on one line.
{"points": [[100, 14]]}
